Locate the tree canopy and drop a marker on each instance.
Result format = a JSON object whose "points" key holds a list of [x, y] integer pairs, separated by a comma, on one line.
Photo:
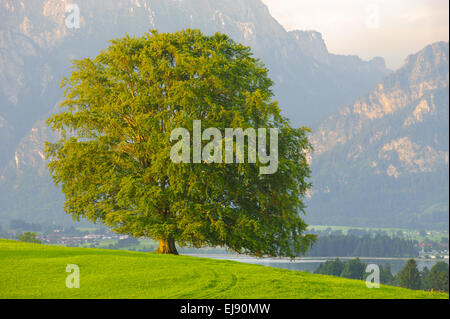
{"points": [[112, 160], [29, 237], [409, 276], [439, 276]]}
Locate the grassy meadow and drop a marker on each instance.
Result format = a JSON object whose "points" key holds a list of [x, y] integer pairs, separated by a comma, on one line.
{"points": [[39, 271]]}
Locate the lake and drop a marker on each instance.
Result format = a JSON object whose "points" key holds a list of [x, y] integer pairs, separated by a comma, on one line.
{"points": [[311, 263]]}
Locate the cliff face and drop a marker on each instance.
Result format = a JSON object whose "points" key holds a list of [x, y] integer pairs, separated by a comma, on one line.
{"points": [[384, 158], [6, 133], [38, 46]]}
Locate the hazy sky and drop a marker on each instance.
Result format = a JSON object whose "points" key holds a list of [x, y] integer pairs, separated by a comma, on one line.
{"points": [[392, 29]]}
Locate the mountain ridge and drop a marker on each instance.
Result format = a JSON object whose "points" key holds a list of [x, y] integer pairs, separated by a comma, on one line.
{"points": [[310, 82], [391, 150]]}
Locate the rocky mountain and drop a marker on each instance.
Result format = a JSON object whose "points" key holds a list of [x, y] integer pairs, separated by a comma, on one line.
{"points": [[36, 45], [5, 139], [384, 159]]}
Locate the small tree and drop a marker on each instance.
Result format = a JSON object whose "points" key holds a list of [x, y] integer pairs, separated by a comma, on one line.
{"points": [[386, 276], [354, 269], [113, 158], [439, 276], [425, 279], [409, 276], [330, 267], [29, 237]]}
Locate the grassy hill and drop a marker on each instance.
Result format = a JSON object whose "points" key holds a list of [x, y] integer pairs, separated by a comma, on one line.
{"points": [[38, 271]]}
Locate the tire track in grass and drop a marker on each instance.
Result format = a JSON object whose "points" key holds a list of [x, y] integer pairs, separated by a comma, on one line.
{"points": [[185, 292], [233, 282], [212, 281], [223, 282]]}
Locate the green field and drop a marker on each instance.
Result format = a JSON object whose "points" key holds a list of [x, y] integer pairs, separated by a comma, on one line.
{"points": [[39, 271]]}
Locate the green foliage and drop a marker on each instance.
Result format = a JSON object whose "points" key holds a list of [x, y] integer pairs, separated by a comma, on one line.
{"points": [[409, 276], [354, 269], [112, 160], [37, 271], [434, 279], [330, 267], [439, 276], [425, 279], [386, 276], [29, 237]]}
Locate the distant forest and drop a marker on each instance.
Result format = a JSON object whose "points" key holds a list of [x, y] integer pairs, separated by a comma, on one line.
{"points": [[366, 245]]}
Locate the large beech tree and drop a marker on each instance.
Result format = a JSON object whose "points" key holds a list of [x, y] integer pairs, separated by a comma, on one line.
{"points": [[112, 160]]}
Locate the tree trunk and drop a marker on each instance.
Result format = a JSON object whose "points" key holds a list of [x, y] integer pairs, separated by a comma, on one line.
{"points": [[167, 246]]}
